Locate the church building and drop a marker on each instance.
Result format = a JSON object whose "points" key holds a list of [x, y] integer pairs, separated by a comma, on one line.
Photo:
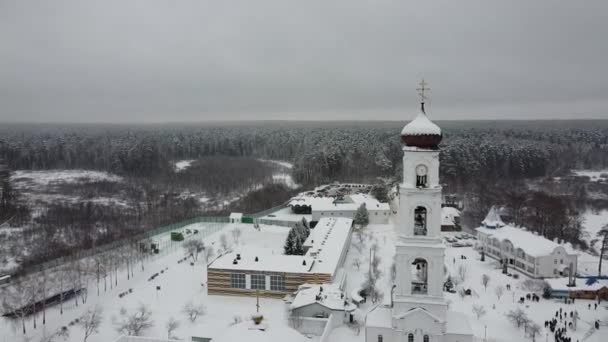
{"points": [[418, 310]]}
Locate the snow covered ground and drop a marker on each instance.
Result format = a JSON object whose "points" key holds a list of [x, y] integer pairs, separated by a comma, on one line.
{"points": [[179, 284], [593, 221], [181, 165], [595, 176], [494, 323], [44, 186], [279, 162], [283, 174], [26, 179]]}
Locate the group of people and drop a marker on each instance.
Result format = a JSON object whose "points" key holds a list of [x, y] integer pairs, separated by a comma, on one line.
{"points": [[530, 296], [560, 333]]}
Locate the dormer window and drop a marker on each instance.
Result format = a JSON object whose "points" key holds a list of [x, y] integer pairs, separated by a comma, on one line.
{"points": [[421, 176]]}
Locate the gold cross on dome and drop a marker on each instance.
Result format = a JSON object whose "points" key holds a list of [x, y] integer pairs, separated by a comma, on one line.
{"points": [[422, 90]]}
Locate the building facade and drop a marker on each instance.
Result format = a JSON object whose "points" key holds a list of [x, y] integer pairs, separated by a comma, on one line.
{"points": [[527, 252], [259, 271], [419, 312]]}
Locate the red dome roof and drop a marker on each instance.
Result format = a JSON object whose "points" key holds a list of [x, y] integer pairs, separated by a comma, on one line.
{"points": [[421, 132]]}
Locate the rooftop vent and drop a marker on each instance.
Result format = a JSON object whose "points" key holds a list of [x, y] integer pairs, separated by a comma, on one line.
{"points": [[238, 256], [304, 262], [256, 259], [234, 262]]}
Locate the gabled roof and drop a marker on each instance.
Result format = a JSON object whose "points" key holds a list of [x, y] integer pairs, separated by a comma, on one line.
{"points": [[417, 310], [330, 297], [493, 219]]}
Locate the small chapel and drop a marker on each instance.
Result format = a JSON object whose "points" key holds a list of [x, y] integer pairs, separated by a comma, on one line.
{"points": [[418, 311]]}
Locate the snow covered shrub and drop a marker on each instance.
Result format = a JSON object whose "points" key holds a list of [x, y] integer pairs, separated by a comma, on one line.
{"points": [[192, 310]]}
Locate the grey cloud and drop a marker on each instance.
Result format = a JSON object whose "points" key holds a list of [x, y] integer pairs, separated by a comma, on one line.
{"points": [[153, 60]]}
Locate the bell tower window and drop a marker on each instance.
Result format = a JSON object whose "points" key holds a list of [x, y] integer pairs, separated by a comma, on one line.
{"points": [[420, 221], [419, 276], [421, 176]]}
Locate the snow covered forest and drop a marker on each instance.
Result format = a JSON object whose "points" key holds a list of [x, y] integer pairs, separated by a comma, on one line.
{"points": [[510, 163]]}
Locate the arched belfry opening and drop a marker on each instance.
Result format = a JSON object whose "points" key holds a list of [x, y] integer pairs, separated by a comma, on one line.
{"points": [[419, 276], [420, 216]]}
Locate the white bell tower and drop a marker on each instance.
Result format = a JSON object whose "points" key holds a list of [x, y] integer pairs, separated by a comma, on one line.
{"points": [[420, 250], [418, 313]]}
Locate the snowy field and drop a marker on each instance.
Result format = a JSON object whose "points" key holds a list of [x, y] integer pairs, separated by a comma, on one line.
{"points": [[45, 186], [595, 176], [179, 284], [25, 179]]}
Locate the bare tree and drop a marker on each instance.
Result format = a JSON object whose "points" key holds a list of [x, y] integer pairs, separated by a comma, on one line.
{"points": [[193, 247], [462, 272], [192, 310], [224, 242], [15, 300], [90, 321], [30, 285], [357, 263], [75, 278], [171, 325], [236, 235], [61, 281], [518, 317], [44, 285], [533, 330], [209, 252], [485, 279], [98, 269], [603, 234], [136, 323], [372, 276], [499, 290], [479, 310]]}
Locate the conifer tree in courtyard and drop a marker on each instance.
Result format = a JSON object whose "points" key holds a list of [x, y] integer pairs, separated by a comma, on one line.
{"points": [[362, 216]]}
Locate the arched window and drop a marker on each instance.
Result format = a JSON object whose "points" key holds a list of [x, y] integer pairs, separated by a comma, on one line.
{"points": [[421, 181], [425, 338], [419, 276], [421, 176], [410, 337], [420, 221]]}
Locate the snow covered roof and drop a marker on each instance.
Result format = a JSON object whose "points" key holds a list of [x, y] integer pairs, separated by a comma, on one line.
{"points": [[532, 244], [326, 241], [380, 316], [262, 332], [421, 125], [561, 284], [237, 216], [448, 215], [458, 324], [493, 219], [350, 203], [416, 310], [330, 297]]}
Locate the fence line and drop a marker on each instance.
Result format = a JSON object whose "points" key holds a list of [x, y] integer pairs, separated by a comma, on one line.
{"points": [[219, 223]]}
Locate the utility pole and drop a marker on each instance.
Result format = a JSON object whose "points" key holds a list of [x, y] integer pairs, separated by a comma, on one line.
{"points": [[257, 301]]}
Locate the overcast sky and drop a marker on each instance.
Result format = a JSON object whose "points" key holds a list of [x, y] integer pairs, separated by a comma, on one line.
{"points": [[181, 60]]}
